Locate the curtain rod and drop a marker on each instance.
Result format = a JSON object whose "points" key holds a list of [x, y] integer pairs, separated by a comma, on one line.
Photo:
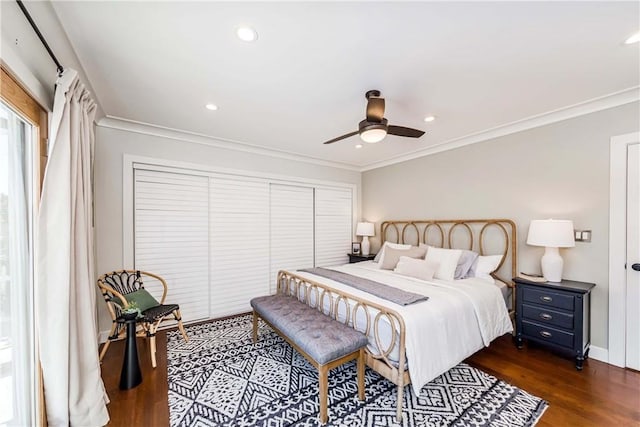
{"points": [[60, 68]]}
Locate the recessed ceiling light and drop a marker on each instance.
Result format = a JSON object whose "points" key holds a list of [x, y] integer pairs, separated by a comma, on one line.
{"points": [[633, 39], [247, 34], [429, 118], [358, 145], [212, 107]]}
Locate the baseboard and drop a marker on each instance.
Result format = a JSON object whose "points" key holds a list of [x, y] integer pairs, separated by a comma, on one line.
{"points": [[102, 336], [599, 353]]}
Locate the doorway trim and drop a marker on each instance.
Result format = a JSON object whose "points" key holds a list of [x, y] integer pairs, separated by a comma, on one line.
{"points": [[617, 245]]}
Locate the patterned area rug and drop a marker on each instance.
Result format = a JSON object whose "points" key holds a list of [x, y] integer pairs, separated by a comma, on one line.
{"points": [[220, 378]]}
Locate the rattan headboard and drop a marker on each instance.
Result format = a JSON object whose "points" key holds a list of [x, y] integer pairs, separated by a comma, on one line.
{"points": [[480, 237]]}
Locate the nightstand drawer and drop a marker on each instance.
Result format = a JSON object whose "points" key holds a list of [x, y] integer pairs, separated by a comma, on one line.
{"points": [[545, 333], [547, 317], [548, 298]]}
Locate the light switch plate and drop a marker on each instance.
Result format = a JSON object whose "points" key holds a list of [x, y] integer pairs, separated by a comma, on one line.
{"points": [[582, 236]]}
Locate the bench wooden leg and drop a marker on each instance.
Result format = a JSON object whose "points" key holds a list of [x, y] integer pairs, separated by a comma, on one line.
{"points": [[255, 327], [361, 375], [323, 371]]}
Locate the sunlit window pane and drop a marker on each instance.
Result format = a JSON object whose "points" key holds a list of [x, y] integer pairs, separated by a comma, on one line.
{"points": [[16, 296]]}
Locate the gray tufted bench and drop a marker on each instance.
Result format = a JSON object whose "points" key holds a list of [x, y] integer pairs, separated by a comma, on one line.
{"points": [[324, 342]]}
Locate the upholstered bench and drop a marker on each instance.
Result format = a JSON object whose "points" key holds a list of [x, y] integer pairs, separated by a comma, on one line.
{"points": [[324, 342]]}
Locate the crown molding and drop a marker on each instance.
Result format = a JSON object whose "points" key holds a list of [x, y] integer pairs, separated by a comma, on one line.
{"points": [[615, 99], [119, 123]]}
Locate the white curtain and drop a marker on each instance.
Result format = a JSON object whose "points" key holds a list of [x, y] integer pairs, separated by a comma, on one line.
{"points": [[65, 289]]}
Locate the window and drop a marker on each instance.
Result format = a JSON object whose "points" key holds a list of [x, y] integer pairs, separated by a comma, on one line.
{"points": [[23, 155], [17, 378]]}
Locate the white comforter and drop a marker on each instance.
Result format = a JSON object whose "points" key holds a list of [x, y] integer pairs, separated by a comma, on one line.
{"points": [[459, 318]]}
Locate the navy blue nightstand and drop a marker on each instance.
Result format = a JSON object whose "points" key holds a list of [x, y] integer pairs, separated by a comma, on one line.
{"points": [[556, 315]]}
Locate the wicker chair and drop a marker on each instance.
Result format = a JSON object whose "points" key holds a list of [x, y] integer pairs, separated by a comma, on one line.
{"points": [[114, 286]]}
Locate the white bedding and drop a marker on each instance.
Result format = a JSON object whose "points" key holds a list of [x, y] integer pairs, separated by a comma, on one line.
{"points": [[459, 318]]}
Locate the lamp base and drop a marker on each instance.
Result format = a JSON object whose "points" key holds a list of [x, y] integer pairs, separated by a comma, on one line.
{"points": [[552, 264], [365, 247]]}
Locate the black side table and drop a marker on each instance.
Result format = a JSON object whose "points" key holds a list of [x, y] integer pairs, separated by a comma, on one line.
{"points": [[130, 376], [556, 315], [353, 258]]}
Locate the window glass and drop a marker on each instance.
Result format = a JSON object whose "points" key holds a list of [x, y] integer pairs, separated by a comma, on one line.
{"points": [[17, 353]]}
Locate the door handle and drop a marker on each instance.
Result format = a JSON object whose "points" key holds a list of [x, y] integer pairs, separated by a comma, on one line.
{"points": [[636, 266]]}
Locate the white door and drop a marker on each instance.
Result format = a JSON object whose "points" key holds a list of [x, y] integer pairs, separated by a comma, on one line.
{"points": [[172, 237], [291, 228], [333, 222], [239, 244], [633, 258]]}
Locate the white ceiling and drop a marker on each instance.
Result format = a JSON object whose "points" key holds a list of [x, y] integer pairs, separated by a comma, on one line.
{"points": [[476, 66]]}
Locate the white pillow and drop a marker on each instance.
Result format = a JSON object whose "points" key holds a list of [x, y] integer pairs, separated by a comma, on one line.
{"points": [[392, 256], [418, 268], [485, 265], [465, 263], [380, 254], [447, 260]]}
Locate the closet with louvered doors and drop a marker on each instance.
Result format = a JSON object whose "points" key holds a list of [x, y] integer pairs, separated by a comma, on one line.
{"points": [[220, 239]]}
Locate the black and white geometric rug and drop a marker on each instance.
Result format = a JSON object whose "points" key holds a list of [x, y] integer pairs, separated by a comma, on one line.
{"points": [[220, 378]]}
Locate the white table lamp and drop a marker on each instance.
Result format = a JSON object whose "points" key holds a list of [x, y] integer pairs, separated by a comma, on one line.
{"points": [[365, 229], [552, 234]]}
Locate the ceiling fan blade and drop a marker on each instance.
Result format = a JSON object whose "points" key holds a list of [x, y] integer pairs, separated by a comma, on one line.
{"points": [[341, 137], [403, 131], [375, 109]]}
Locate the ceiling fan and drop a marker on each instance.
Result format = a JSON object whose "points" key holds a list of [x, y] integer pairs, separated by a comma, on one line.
{"points": [[375, 127]]}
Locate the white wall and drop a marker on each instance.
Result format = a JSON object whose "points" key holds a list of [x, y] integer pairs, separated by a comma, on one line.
{"points": [[555, 171], [112, 144], [26, 58]]}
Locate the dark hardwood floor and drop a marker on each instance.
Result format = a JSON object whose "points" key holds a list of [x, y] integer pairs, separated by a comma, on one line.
{"points": [[600, 395]]}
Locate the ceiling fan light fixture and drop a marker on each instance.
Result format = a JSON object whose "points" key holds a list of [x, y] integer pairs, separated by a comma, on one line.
{"points": [[372, 136], [429, 118]]}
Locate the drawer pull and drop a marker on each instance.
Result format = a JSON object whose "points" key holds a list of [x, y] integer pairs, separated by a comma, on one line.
{"points": [[545, 334], [546, 298], [546, 316]]}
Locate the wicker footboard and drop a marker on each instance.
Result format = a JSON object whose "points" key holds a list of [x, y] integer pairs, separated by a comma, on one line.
{"points": [[345, 308]]}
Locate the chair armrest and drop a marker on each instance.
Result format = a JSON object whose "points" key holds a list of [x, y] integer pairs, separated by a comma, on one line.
{"points": [[161, 280]]}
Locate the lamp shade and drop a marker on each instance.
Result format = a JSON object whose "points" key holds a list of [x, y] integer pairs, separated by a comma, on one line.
{"points": [[551, 233], [365, 229]]}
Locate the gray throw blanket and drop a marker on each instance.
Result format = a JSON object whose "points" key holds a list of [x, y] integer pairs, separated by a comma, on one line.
{"points": [[378, 289]]}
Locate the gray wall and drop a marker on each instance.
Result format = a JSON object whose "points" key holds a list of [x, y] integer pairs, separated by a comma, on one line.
{"points": [[555, 171], [112, 144]]}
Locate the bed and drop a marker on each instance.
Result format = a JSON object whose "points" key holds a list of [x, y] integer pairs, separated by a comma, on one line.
{"points": [[414, 343]]}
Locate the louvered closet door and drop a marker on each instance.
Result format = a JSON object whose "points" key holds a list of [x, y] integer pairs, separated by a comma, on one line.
{"points": [[239, 244], [333, 221], [172, 237], [291, 229]]}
